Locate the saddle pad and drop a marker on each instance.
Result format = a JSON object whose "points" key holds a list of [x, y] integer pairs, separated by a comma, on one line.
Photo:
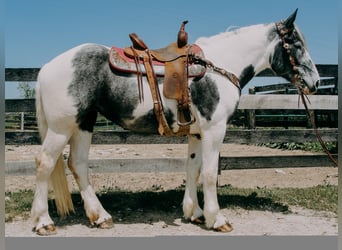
{"points": [[122, 63]]}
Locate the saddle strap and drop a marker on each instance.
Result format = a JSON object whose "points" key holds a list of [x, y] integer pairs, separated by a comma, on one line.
{"points": [[163, 127], [139, 76]]}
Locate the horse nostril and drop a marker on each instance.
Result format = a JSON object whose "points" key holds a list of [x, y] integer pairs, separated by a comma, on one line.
{"points": [[317, 83]]}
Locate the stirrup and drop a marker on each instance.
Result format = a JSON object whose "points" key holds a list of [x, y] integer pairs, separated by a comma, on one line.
{"points": [[186, 123]]}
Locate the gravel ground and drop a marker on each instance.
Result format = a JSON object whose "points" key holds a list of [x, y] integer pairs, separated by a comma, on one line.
{"points": [[245, 222]]}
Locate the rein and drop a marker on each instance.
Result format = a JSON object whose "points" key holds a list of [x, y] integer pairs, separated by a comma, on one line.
{"points": [[297, 78], [312, 120]]}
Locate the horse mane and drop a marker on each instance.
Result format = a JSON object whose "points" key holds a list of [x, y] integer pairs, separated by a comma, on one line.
{"points": [[236, 30], [230, 31], [232, 28], [300, 35]]}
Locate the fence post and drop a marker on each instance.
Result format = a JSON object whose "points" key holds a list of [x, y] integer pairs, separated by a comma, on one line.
{"points": [[250, 113], [22, 121]]}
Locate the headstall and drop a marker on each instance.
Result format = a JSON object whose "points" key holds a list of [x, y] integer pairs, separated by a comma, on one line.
{"points": [[298, 82], [283, 33]]}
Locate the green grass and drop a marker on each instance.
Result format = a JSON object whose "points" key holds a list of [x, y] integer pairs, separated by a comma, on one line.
{"points": [[18, 204], [127, 204], [306, 146], [320, 198]]}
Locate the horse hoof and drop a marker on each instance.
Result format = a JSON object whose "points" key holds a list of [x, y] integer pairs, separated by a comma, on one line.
{"points": [[47, 230], [106, 224], [198, 221], [226, 228]]}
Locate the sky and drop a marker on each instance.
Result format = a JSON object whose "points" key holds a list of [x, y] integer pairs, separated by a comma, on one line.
{"points": [[38, 30]]}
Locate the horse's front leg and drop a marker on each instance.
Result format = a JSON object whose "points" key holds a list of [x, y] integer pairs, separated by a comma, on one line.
{"points": [[191, 209], [211, 143]]}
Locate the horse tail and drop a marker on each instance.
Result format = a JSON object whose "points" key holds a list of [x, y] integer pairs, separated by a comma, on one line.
{"points": [[60, 187], [58, 178]]}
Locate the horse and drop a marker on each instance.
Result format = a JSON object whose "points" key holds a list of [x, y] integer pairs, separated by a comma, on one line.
{"points": [[75, 86]]}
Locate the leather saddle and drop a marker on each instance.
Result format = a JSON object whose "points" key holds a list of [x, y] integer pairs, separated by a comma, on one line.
{"points": [[122, 61], [174, 62]]}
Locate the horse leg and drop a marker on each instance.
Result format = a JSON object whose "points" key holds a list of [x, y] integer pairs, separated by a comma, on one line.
{"points": [[191, 209], [46, 161], [78, 165], [211, 142]]}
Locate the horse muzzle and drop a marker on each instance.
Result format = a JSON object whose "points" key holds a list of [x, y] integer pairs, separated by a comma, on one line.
{"points": [[308, 89]]}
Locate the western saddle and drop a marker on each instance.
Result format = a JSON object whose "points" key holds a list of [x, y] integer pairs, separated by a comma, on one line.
{"points": [[178, 62]]}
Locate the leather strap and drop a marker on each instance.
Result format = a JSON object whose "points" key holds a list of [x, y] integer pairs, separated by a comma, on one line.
{"points": [[319, 138], [231, 76], [139, 76], [163, 127]]}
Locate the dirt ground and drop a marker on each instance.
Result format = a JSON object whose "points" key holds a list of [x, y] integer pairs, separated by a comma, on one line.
{"points": [[245, 222]]}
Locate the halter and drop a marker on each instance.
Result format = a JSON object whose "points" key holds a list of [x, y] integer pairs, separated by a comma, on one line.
{"points": [[283, 31]]}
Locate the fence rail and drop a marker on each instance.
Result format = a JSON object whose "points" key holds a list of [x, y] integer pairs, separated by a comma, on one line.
{"points": [[273, 101]]}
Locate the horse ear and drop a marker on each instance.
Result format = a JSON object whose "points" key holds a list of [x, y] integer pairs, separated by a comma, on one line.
{"points": [[288, 23]]}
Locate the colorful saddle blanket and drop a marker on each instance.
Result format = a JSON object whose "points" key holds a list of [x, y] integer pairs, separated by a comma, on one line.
{"points": [[122, 62]]}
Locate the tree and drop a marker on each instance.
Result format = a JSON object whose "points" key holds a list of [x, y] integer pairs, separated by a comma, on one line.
{"points": [[25, 90]]}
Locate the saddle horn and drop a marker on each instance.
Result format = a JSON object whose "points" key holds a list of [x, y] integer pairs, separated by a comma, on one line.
{"points": [[182, 39], [137, 42]]}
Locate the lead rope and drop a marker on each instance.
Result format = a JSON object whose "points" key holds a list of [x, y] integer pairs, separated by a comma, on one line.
{"points": [[312, 120]]}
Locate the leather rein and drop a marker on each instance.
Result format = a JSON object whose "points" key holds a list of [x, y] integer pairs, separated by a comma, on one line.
{"points": [[297, 81]]}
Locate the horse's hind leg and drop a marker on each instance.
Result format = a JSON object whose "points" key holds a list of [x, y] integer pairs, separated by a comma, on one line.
{"points": [[78, 165], [45, 163], [191, 208]]}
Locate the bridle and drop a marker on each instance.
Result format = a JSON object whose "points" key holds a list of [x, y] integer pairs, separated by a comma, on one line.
{"points": [[297, 80], [283, 32]]}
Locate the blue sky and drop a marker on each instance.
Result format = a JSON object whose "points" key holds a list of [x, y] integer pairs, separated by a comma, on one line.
{"points": [[38, 30]]}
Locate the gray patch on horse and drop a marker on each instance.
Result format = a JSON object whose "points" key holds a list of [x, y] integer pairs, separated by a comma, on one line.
{"points": [[205, 96], [148, 123], [246, 75], [280, 62], [95, 88]]}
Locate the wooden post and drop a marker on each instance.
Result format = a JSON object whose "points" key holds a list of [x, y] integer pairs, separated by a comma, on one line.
{"points": [[308, 120], [218, 170], [250, 113], [22, 121]]}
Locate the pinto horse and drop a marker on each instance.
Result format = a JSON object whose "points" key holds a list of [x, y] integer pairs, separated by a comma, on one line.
{"points": [[78, 84]]}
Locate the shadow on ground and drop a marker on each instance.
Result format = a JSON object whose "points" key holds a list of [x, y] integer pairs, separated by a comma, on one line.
{"points": [[153, 206]]}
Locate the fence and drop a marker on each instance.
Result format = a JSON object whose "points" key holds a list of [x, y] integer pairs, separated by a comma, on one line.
{"points": [[276, 99]]}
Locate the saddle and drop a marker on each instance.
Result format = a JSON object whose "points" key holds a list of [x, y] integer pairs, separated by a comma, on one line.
{"points": [[120, 61], [174, 62]]}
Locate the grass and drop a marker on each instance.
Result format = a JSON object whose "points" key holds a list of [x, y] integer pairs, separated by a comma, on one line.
{"points": [[127, 204], [18, 204], [320, 198], [306, 146]]}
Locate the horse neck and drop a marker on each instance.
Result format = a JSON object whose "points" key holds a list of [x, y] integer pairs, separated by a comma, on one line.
{"points": [[245, 51]]}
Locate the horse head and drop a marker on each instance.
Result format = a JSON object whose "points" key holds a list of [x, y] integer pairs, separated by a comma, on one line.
{"points": [[291, 59]]}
